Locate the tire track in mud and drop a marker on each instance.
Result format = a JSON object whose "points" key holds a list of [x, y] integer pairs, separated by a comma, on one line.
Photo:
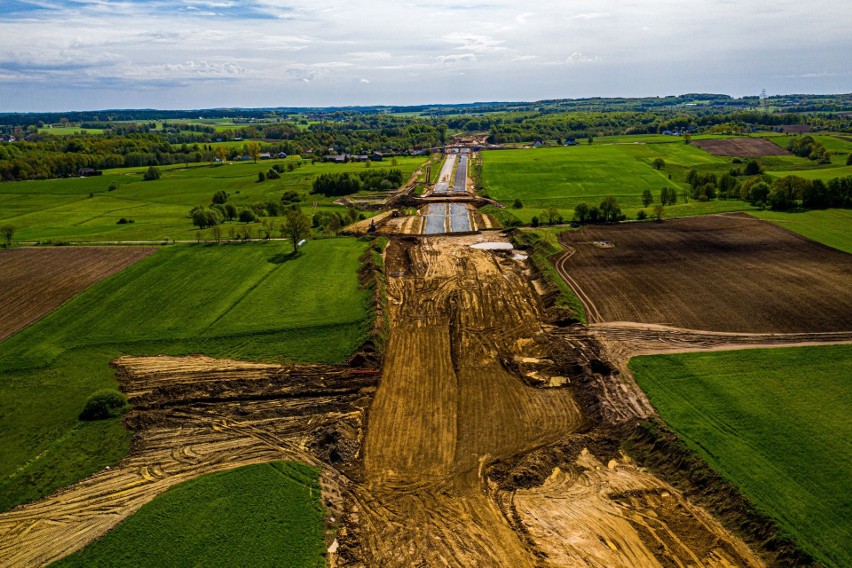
{"points": [[452, 403]]}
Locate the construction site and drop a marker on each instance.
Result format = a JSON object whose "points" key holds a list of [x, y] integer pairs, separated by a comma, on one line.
{"points": [[486, 433]]}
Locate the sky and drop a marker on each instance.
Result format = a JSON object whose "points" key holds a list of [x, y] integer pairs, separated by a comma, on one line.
{"points": [[60, 55]]}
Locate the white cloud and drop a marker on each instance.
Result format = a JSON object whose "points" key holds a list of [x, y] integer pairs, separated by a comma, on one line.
{"points": [[474, 42], [578, 57], [61, 54], [456, 58]]}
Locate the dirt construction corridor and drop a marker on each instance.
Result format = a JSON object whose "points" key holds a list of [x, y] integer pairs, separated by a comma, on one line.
{"points": [[486, 438]]}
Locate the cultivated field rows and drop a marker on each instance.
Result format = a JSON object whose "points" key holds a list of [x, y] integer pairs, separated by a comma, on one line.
{"points": [[34, 281]]}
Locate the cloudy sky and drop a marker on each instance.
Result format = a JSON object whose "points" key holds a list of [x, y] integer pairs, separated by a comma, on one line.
{"points": [[95, 54]]}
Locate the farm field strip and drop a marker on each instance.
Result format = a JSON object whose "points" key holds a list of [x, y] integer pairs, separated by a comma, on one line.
{"points": [[830, 227], [195, 522], [33, 282], [85, 209]]}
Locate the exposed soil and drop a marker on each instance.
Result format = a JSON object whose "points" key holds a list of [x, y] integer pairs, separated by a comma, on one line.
{"points": [[34, 281], [721, 273], [192, 416], [492, 439], [456, 416], [742, 147]]}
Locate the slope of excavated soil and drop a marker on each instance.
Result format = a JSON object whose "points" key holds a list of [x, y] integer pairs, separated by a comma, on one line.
{"points": [[195, 415], [721, 273], [34, 281]]}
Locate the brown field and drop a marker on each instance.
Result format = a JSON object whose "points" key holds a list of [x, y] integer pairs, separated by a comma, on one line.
{"points": [[719, 273], [34, 281], [742, 147]]}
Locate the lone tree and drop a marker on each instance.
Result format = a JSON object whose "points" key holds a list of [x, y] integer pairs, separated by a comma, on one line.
{"points": [[658, 163], [296, 226], [151, 174], [7, 232], [647, 198], [658, 212], [253, 150]]}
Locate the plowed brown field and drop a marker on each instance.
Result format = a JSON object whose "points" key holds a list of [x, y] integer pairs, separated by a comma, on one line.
{"points": [[720, 273], [743, 147], [34, 281]]}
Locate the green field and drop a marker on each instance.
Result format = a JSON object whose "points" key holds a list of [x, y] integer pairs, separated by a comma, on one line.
{"points": [[62, 209], [832, 227], [621, 166], [775, 422], [259, 515], [245, 301]]}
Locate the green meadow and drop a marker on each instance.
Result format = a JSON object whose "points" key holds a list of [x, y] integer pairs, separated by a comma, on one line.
{"points": [[621, 166], [259, 515], [246, 301], [832, 227], [84, 209], [775, 422]]}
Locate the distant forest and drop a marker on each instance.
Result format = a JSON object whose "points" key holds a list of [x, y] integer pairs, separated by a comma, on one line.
{"points": [[133, 138]]}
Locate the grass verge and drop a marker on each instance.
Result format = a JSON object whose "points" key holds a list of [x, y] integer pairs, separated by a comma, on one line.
{"points": [[543, 247]]}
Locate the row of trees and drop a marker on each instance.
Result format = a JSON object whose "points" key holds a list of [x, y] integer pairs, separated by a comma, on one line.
{"points": [[294, 227], [336, 184]]}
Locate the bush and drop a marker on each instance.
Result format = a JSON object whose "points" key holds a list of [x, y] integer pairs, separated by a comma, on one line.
{"points": [[113, 186], [517, 204], [124, 221], [152, 174], [641, 216], [105, 403]]}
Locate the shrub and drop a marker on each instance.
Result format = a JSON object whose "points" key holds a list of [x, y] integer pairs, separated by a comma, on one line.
{"points": [[151, 174], [641, 216], [105, 403], [517, 204], [124, 221], [113, 186]]}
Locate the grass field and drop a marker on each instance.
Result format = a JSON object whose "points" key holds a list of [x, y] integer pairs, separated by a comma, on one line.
{"points": [[268, 514], [62, 209], [622, 167], [776, 422], [239, 301], [832, 227]]}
